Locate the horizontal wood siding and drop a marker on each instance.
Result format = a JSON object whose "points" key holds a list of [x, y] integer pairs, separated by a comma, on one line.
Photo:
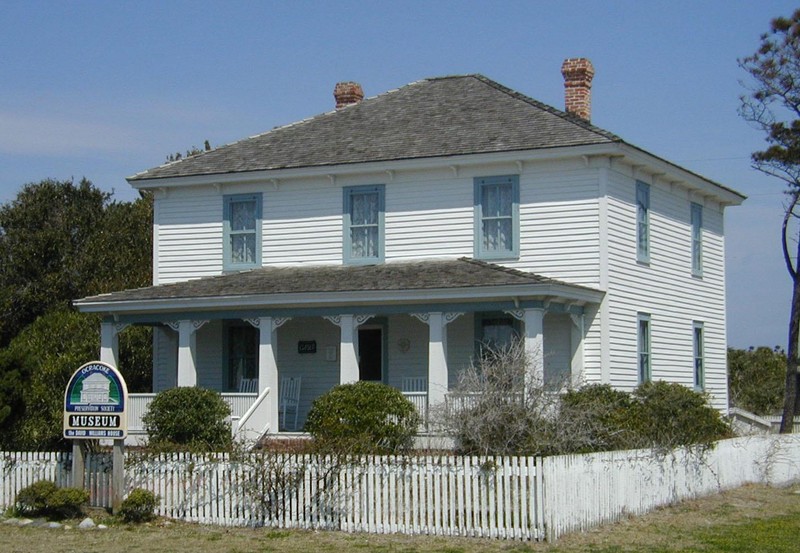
{"points": [[302, 223], [209, 356], [665, 288], [188, 235], [410, 332], [559, 224], [165, 359]]}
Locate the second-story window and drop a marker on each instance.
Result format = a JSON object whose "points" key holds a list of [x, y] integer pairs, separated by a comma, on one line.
{"points": [[642, 222], [497, 217], [364, 211], [697, 239], [242, 232]]}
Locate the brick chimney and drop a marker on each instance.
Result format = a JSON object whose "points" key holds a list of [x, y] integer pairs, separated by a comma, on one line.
{"points": [[347, 93], [578, 74]]}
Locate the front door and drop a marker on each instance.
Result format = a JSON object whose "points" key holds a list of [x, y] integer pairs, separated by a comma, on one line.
{"points": [[370, 354]]}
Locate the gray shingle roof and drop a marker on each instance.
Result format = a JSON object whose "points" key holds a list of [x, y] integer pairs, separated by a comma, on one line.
{"points": [[421, 275], [434, 117]]}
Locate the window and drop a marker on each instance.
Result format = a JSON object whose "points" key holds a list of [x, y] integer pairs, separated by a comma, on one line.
{"points": [[697, 239], [699, 370], [645, 360], [642, 222], [242, 232], [497, 217], [364, 211]]}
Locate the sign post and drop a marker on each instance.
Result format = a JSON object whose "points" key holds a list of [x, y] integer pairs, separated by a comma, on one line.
{"points": [[95, 404]]}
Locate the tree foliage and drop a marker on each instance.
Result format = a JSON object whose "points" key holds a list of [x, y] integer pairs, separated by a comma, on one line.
{"points": [[756, 379], [773, 106], [60, 241]]}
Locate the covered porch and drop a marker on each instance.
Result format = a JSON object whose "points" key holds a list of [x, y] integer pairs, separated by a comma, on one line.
{"points": [[413, 326]]}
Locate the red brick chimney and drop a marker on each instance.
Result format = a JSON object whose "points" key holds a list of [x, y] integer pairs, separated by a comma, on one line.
{"points": [[578, 74], [347, 93]]}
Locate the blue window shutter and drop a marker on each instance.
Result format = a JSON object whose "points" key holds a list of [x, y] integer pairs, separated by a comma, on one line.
{"points": [[496, 226]]}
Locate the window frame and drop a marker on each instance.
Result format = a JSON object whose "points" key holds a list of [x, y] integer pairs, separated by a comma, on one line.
{"points": [[644, 348], [347, 244], [698, 350], [642, 222], [479, 183], [228, 265], [696, 219]]}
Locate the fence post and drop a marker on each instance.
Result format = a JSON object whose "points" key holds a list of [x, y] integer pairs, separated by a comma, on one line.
{"points": [[78, 464], [118, 476]]}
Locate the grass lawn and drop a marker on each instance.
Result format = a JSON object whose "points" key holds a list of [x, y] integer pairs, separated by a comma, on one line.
{"points": [[753, 518]]}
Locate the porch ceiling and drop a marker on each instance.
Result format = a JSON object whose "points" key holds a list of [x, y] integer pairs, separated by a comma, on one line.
{"points": [[422, 282]]}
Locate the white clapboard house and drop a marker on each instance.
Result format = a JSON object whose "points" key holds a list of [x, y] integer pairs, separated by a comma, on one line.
{"points": [[386, 238]]}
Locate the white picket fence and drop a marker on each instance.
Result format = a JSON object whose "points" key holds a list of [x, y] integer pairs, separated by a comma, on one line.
{"points": [[502, 497]]}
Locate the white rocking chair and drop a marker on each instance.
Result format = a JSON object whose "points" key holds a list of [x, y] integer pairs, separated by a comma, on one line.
{"points": [[289, 401]]}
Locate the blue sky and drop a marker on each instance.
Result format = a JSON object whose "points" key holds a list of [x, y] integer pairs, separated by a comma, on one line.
{"points": [[106, 89]]}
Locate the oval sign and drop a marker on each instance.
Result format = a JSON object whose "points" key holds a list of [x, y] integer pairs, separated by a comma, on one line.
{"points": [[95, 403]]}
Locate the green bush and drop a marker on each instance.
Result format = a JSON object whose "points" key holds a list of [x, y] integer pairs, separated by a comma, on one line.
{"points": [[44, 498], [67, 502], [757, 379], [670, 415], [188, 418], [363, 417], [596, 417], [139, 506], [33, 500]]}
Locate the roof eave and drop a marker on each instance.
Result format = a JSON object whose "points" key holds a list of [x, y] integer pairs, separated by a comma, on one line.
{"points": [[555, 291]]}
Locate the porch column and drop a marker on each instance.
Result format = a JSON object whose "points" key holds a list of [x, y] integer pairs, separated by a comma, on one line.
{"points": [[109, 342], [268, 363], [437, 353], [578, 332], [348, 352], [187, 346], [534, 342]]}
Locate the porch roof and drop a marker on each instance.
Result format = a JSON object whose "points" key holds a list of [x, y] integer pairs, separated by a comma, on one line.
{"points": [[454, 280]]}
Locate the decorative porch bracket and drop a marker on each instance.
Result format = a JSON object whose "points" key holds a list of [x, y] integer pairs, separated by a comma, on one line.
{"points": [[268, 364], [348, 358], [533, 320], [187, 350], [109, 342], [437, 322]]}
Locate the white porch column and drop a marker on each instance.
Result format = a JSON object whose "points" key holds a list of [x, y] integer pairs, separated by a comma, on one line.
{"points": [[534, 341], [437, 322], [109, 342], [578, 333], [348, 352], [533, 319], [268, 364], [187, 346]]}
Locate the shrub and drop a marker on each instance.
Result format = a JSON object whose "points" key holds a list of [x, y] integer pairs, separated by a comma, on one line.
{"points": [[33, 500], [139, 506], [363, 417], [44, 498], [188, 418], [669, 415], [509, 427], [67, 502], [598, 419], [757, 379]]}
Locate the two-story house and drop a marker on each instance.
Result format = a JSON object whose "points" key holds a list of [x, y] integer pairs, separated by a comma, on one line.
{"points": [[384, 239]]}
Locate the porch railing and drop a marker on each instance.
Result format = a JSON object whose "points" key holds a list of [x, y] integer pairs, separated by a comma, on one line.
{"points": [[420, 401], [138, 404]]}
